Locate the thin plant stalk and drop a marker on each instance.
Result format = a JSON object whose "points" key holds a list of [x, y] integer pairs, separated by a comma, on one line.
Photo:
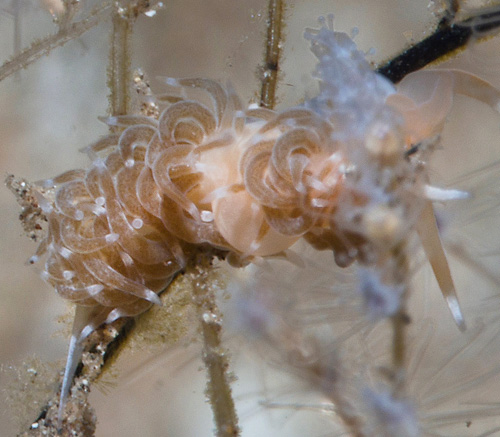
{"points": [[274, 42], [119, 74], [215, 356]]}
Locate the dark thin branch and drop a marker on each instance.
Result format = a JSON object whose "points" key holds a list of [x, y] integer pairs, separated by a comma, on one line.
{"points": [[443, 43], [440, 44]]}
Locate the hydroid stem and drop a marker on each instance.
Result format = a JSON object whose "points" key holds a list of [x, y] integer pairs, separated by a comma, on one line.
{"points": [[119, 74], [215, 356], [272, 57], [400, 321]]}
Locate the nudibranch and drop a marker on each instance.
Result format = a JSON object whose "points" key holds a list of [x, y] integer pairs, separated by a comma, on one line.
{"points": [[249, 182]]}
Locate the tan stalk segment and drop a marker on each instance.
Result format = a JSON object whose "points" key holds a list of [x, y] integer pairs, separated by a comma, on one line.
{"points": [[274, 42]]}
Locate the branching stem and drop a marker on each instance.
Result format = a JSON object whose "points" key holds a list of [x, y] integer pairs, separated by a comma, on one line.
{"points": [[45, 45]]}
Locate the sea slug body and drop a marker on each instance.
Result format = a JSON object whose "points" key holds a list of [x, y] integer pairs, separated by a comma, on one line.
{"points": [[209, 173]]}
